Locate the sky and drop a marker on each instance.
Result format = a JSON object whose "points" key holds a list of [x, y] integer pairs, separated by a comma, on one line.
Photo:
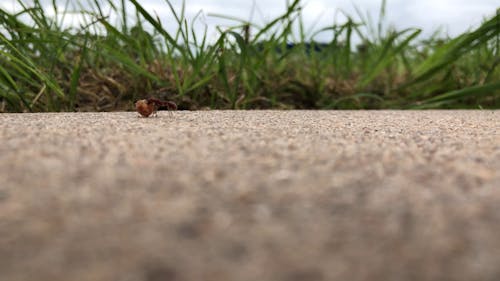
{"points": [[453, 16]]}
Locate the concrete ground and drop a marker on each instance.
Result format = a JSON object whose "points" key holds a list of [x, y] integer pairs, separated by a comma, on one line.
{"points": [[250, 195]]}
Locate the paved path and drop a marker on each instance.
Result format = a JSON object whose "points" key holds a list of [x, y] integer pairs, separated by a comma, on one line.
{"points": [[250, 195]]}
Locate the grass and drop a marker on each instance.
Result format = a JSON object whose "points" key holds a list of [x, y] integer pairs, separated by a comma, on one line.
{"points": [[103, 65]]}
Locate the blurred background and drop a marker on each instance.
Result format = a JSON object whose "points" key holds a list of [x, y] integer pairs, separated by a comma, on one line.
{"points": [[98, 55]]}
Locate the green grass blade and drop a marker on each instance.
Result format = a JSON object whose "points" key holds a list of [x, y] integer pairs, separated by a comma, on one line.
{"points": [[492, 89], [75, 75], [291, 9], [388, 55], [125, 60], [30, 66], [447, 54], [156, 24], [7, 79]]}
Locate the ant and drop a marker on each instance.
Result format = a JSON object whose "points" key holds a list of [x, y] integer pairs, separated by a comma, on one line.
{"points": [[150, 106]]}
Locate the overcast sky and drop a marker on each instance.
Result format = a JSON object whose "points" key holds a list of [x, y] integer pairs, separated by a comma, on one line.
{"points": [[454, 16]]}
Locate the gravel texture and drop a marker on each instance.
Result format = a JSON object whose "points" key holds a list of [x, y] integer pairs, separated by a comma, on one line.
{"points": [[250, 195]]}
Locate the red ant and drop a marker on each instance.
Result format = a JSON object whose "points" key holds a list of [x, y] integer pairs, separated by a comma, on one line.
{"points": [[150, 106]]}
